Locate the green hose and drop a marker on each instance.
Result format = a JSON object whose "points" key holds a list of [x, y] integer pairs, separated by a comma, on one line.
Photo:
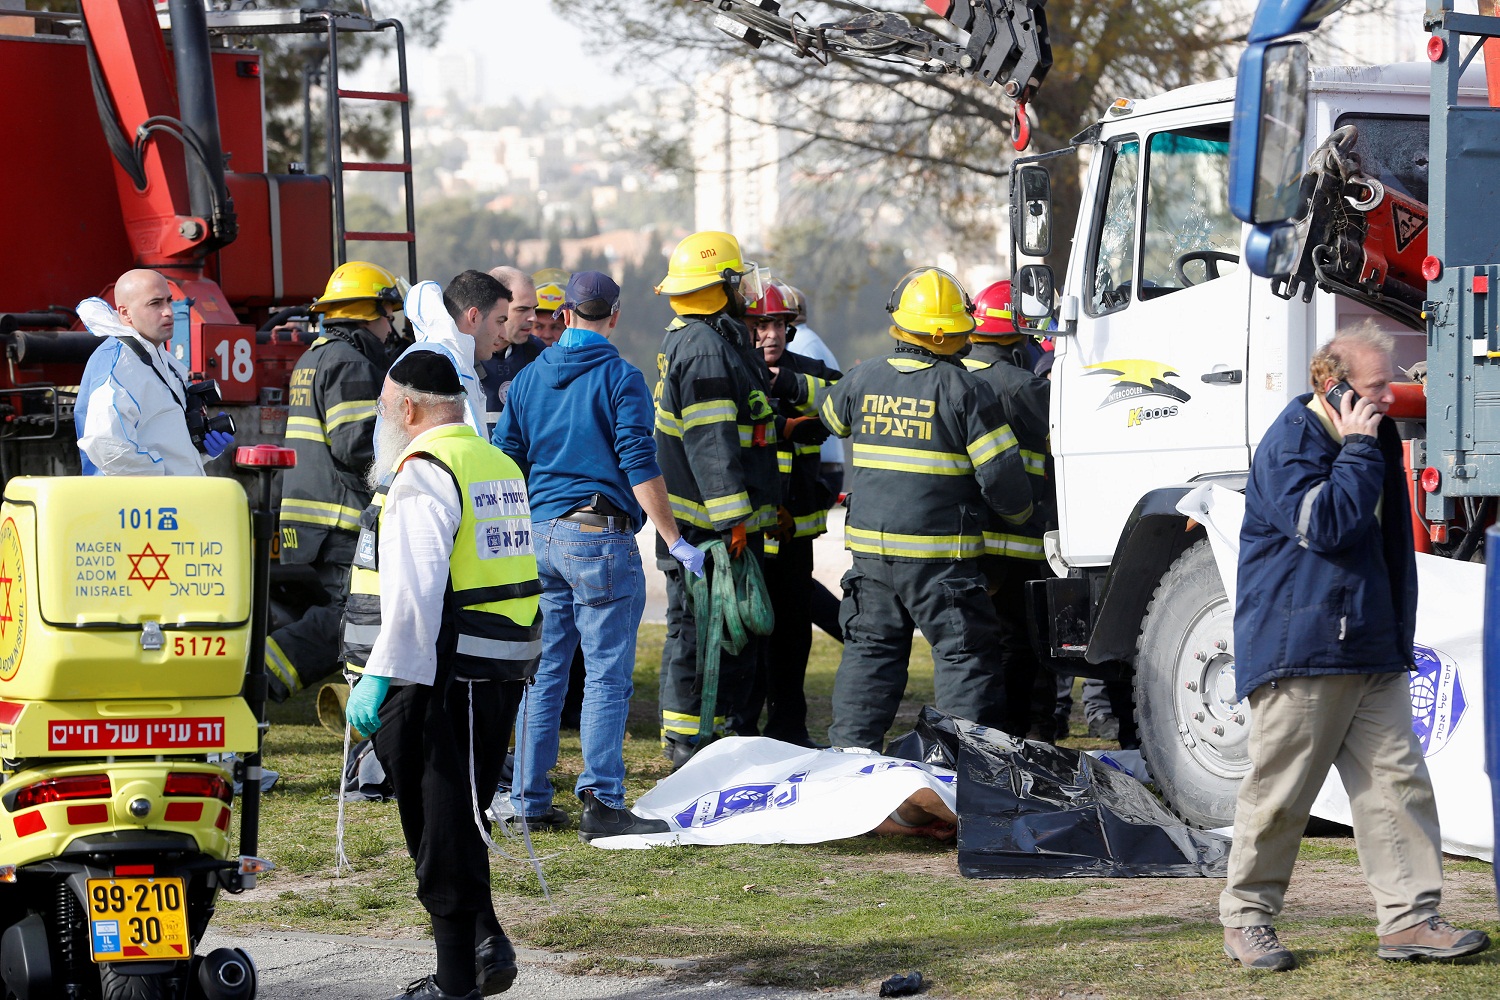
{"points": [[729, 604]]}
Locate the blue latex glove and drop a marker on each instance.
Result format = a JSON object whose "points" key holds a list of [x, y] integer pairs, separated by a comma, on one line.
{"points": [[216, 443], [689, 555], [363, 709]]}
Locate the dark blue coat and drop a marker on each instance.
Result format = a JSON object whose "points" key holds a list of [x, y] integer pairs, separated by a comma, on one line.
{"points": [[1324, 586]]}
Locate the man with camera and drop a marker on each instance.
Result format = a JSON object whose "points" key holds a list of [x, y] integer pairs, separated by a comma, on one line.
{"points": [[1325, 613], [137, 413]]}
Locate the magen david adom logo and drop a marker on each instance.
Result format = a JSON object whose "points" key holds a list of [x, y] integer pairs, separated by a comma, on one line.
{"points": [[12, 600], [1438, 702]]}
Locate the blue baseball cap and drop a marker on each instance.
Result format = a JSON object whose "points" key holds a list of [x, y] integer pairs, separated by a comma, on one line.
{"points": [[593, 295]]}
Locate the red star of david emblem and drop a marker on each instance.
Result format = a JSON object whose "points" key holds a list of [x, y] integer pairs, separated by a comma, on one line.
{"points": [[6, 582], [135, 566]]}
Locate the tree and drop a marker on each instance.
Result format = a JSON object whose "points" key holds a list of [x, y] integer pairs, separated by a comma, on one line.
{"points": [[938, 144]]}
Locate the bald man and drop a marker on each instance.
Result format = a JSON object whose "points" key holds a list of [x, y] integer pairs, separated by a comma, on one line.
{"points": [[517, 348], [131, 417]]}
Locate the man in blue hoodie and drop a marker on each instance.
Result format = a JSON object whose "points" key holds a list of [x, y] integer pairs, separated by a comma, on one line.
{"points": [[579, 422]]}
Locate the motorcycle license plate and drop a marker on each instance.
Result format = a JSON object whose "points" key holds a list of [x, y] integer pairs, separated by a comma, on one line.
{"points": [[138, 919]]}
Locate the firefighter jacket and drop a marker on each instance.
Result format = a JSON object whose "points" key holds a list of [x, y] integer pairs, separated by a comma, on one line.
{"points": [[1025, 399], [489, 605], [331, 426], [804, 497], [932, 457], [715, 432]]}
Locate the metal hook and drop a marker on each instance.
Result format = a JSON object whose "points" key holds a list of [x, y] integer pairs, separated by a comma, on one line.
{"points": [[1020, 128]]}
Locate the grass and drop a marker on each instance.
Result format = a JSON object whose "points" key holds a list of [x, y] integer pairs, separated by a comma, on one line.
{"points": [[843, 914]]}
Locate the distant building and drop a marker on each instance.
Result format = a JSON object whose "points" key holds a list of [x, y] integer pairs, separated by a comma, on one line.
{"points": [[740, 156]]}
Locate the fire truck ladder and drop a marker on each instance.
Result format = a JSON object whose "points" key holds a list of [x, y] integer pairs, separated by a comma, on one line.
{"points": [[337, 165], [285, 20]]}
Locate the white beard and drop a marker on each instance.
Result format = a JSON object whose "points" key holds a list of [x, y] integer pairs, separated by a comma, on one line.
{"points": [[391, 440]]}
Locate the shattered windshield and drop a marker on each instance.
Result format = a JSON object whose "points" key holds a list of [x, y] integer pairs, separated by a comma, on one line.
{"points": [[1191, 237], [1113, 270]]}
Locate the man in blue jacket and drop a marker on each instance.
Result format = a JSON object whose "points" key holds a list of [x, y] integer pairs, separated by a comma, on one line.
{"points": [[1323, 625], [579, 422]]}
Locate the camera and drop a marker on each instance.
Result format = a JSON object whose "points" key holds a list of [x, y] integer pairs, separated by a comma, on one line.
{"points": [[201, 396]]}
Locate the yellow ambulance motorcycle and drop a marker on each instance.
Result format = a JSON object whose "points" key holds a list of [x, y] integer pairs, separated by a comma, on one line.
{"points": [[129, 610]]}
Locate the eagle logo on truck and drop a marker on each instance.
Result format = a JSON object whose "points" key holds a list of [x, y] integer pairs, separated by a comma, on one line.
{"points": [[1136, 378]]}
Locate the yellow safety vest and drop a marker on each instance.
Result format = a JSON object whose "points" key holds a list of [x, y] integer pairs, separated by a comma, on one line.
{"points": [[490, 604]]}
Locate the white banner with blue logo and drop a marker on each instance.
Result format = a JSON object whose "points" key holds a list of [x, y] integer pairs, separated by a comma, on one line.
{"points": [[762, 791], [1447, 688]]}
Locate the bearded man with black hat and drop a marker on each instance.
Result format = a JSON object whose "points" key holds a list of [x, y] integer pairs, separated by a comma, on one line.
{"points": [[444, 588]]}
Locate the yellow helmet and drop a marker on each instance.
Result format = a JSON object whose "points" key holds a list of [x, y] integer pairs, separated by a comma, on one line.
{"points": [[359, 290], [933, 304], [699, 262], [551, 283]]}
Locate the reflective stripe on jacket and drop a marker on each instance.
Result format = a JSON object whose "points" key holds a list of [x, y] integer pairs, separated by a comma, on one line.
{"points": [[932, 456], [1025, 399], [715, 433], [331, 426]]}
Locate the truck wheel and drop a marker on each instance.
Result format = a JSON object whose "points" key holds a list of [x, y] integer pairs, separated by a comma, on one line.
{"points": [[1193, 732], [114, 986]]}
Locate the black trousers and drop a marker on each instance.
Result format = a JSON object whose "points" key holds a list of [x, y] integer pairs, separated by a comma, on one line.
{"points": [[310, 645], [883, 601], [423, 744], [781, 668], [1030, 688], [681, 684]]}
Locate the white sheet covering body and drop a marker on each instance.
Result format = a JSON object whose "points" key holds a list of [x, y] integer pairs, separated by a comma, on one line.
{"points": [[754, 790]]}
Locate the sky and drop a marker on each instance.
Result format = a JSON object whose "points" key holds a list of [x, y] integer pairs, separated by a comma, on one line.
{"points": [[525, 50]]}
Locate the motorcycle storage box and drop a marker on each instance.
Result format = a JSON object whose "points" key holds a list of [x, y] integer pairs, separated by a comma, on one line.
{"points": [[124, 616]]}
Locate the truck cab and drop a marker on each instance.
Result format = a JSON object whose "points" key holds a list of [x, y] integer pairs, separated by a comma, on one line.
{"points": [[1171, 360]]}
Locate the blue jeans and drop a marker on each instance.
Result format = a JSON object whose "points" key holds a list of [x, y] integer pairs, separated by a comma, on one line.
{"points": [[593, 594]]}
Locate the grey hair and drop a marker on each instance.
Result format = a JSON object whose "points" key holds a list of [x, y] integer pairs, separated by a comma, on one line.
{"points": [[513, 278], [1332, 359], [441, 404]]}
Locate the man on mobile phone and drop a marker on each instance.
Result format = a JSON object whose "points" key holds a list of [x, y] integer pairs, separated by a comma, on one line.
{"points": [[1323, 626]]}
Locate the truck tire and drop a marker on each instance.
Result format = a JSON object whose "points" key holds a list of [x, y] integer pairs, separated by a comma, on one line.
{"points": [[1193, 733]]}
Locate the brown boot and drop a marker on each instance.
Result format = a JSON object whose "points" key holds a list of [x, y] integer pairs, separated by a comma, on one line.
{"points": [[1432, 938], [1258, 948]]}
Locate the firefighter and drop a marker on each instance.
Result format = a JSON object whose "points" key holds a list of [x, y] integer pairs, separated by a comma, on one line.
{"points": [[932, 457], [999, 355], [551, 284], [331, 426], [715, 441], [802, 516]]}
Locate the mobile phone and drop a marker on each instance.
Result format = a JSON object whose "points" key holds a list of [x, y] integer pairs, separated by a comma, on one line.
{"points": [[1337, 393]]}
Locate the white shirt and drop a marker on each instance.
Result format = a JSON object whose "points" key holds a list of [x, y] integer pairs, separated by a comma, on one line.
{"points": [[422, 512], [808, 344], [130, 418]]}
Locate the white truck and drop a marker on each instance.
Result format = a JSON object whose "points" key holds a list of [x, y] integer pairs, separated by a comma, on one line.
{"points": [[1171, 360]]}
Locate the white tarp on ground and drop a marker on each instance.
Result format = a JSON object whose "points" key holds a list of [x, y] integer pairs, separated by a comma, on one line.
{"points": [[761, 791], [1446, 690]]}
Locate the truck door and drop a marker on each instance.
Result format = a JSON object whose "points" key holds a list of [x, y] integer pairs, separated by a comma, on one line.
{"points": [[1150, 391]]}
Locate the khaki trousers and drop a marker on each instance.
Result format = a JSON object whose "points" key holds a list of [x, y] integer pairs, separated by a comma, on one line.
{"points": [[1360, 724]]}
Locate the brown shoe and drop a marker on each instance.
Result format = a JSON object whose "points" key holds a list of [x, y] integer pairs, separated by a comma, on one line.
{"points": [[1258, 948], [1432, 938]]}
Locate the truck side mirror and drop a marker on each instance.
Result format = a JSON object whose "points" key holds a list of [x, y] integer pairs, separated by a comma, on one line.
{"points": [[1268, 138], [1031, 209], [1036, 292]]}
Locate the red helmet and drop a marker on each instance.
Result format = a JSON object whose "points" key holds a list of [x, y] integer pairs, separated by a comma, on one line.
{"points": [[992, 312], [778, 301]]}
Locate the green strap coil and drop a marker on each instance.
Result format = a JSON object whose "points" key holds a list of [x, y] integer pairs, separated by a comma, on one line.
{"points": [[729, 605]]}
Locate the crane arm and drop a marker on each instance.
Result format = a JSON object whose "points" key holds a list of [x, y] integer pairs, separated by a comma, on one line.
{"points": [[1007, 41]]}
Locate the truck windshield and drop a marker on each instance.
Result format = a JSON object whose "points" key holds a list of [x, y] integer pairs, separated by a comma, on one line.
{"points": [[1190, 236]]}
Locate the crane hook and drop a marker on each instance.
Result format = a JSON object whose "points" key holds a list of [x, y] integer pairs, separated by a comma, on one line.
{"points": [[1020, 128]]}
